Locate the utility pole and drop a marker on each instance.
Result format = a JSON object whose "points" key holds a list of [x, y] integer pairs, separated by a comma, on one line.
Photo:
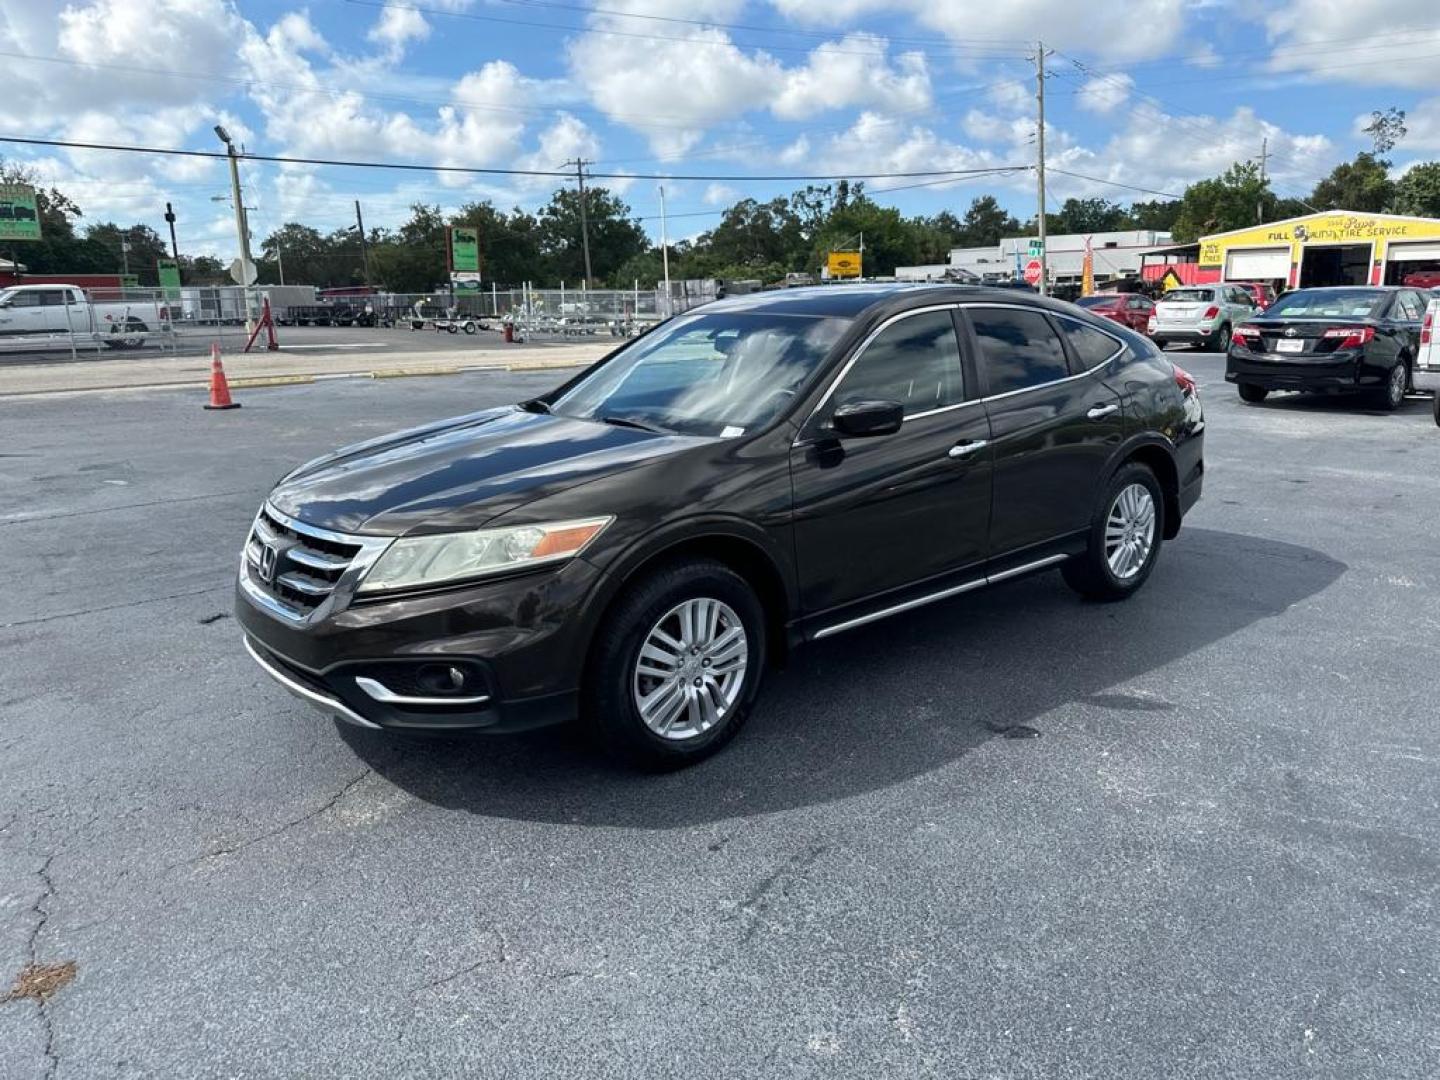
{"points": [[125, 256], [580, 164], [242, 229], [364, 251], [1040, 164], [665, 250], [1260, 201]]}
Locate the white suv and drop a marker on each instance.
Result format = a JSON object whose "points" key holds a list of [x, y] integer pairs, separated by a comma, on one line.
{"points": [[1200, 315]]}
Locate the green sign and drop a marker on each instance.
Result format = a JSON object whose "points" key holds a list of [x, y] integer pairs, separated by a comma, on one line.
{"points": [[1037, 248], [129, 281], [169, 271], [19, 217], [465, 249]]}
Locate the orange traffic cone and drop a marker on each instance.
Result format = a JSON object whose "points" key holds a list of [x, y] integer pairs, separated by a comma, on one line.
{"points": [[219, 388]]}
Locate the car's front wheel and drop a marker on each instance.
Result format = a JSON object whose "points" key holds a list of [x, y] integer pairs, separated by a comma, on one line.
{"points": [[676, 665], [1125, 537]]}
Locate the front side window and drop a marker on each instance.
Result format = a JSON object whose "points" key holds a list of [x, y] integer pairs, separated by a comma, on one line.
{"points": [[1018, 349], [1090, 346], [915, 361], [716, 373], [25, 298]]}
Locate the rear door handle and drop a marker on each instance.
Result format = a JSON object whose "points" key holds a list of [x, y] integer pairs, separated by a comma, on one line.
{"points": [[1099, 412], [965, 449]]}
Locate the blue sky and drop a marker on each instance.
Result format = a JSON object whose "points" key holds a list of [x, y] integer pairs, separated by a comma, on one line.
{"points": [[1151, 94]]}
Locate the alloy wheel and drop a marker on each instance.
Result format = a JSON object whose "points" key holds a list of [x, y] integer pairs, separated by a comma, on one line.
{"points": [[1396, 386], [691, 669], [1130, 531]]}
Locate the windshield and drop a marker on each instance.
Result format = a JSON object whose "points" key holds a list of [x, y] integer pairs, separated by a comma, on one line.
{"points": [[1329, 304], [721, 373], [1189, 296]]}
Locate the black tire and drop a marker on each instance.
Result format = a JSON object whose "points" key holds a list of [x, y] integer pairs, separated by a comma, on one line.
{"points": [[1090, 573], [1251, 393], [1161, 343], [1436, 407], [1392, 395], [1221, 342], [608, 705], [470, 327]]}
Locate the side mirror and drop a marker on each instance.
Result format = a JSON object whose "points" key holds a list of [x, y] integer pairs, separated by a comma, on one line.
{"points": [[862, 419]]}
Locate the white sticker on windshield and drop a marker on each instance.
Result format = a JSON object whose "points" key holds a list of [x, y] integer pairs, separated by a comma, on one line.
{"points": [[729, 431]]}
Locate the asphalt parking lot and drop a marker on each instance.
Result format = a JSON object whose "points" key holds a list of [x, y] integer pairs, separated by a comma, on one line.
{"points": [[1008, 836]]}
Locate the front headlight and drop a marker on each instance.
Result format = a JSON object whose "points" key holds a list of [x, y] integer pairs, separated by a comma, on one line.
{"points": [[414, 561]]}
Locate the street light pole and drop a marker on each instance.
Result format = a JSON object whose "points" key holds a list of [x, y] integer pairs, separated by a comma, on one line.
{"points": [[665, 249]]}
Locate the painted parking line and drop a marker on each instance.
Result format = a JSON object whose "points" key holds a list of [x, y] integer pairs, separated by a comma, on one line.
{"points": [[340, 345]]}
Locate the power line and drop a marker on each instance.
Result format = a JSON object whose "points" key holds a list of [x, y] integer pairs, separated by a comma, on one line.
{"points": [[567, 28], [1114, 183]]}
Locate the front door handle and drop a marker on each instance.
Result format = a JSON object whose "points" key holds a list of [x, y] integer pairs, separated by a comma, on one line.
{"points": [[965, 449], [1099, 412]]}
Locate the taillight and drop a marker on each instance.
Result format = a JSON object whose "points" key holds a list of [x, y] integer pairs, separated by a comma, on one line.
{"points": [[1185, 381], [1244, 335], [1211, 312], [1425, 328], [1351, 337]]}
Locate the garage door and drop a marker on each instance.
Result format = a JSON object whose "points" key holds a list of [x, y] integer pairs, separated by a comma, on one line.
{"points": [[1259, 264], [1415, 252]]}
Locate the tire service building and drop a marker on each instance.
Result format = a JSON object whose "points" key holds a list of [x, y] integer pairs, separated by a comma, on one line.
{"points": [[1333, 248]]}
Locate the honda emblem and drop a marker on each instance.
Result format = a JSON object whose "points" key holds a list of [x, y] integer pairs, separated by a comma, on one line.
{"points": [[268, 558]]}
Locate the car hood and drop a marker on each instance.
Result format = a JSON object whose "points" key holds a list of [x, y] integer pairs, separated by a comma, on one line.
{"points": [[461, 473]]}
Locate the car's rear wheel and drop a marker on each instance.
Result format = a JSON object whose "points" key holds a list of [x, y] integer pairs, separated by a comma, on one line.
{"points": [[1436, 407], [1252, 393], [1392, 396], [676, 665], [1125, 537], [1222, 339]]}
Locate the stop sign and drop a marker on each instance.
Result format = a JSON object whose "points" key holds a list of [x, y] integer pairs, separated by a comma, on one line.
{"points": [[1032, 272]]}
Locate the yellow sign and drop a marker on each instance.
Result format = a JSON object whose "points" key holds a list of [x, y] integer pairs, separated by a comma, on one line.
{"points": [[844, 264], [1336, 227]]}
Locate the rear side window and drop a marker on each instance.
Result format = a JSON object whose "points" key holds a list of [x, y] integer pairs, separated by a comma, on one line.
{"points": [[1091, 347], [1018, 348]]}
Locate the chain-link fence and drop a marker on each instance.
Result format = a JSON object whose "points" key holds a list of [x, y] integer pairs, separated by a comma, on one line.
{"points": [[43, 320]]}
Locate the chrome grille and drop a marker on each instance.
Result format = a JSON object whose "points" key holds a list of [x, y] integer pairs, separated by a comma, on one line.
{"points": [[305, 566]]}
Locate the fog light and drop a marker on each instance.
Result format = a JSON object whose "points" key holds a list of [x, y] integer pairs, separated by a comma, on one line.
{"points": [[441, 678]]}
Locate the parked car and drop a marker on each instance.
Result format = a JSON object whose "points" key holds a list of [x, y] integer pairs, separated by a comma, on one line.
{"points": [[1347, 338], [1422, 279], [638, 544], [39, 310], [1203, 315], [1426, 373], [1261, 293], [1127, 309]]}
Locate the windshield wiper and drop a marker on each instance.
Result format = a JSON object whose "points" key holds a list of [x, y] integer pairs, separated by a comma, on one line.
{"points": [[638, 425], [535, 405]]}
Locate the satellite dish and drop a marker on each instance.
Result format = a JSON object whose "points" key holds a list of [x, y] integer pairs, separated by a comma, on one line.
{"points": [[243, 273]]}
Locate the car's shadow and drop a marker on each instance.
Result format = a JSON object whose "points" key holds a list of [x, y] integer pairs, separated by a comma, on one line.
{"points": [[1325, 404], [889, 702]]}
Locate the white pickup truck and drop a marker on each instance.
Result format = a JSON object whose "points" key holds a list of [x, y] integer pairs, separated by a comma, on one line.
{"points": [[1426, 375], [65, 310]]}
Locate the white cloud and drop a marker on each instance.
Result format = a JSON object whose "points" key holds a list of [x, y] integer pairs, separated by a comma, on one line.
{"points": [[841, 74], [720, 195], [1105, 93], [396, 27], [1329, 38]]}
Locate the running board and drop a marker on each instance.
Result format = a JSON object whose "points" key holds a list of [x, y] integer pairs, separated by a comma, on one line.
{"points": [[943, 594]]}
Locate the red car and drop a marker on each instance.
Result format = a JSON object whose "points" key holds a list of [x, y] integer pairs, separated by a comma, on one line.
{"points": [[1128, 309], [1262, 293], [1423, 279]]}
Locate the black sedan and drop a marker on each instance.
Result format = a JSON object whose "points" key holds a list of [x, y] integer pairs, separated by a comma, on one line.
{"points": [[1344, 339], [637, 545]]}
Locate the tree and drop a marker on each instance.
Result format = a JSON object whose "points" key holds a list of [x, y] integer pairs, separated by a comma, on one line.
{"points": [[413, 260], [1385, 130], [509, 243], [1083, 216], [306, 254], [1362, 184], [1418, 191], [145, 247], [985, 224], [1156, 215], [1226, 202], [753, 234], [614, 236]]}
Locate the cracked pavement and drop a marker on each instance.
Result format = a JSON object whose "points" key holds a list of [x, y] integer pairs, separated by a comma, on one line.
{"points": [[1009, 836]]}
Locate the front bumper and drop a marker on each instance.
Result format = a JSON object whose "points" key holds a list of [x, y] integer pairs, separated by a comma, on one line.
{"points": [[518, 644], [1336, 372]]}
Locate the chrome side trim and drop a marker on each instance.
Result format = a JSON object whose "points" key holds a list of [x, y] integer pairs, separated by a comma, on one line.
{"points": [[1016, 571], [320, 701], [955, 590], [380, 692]]}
